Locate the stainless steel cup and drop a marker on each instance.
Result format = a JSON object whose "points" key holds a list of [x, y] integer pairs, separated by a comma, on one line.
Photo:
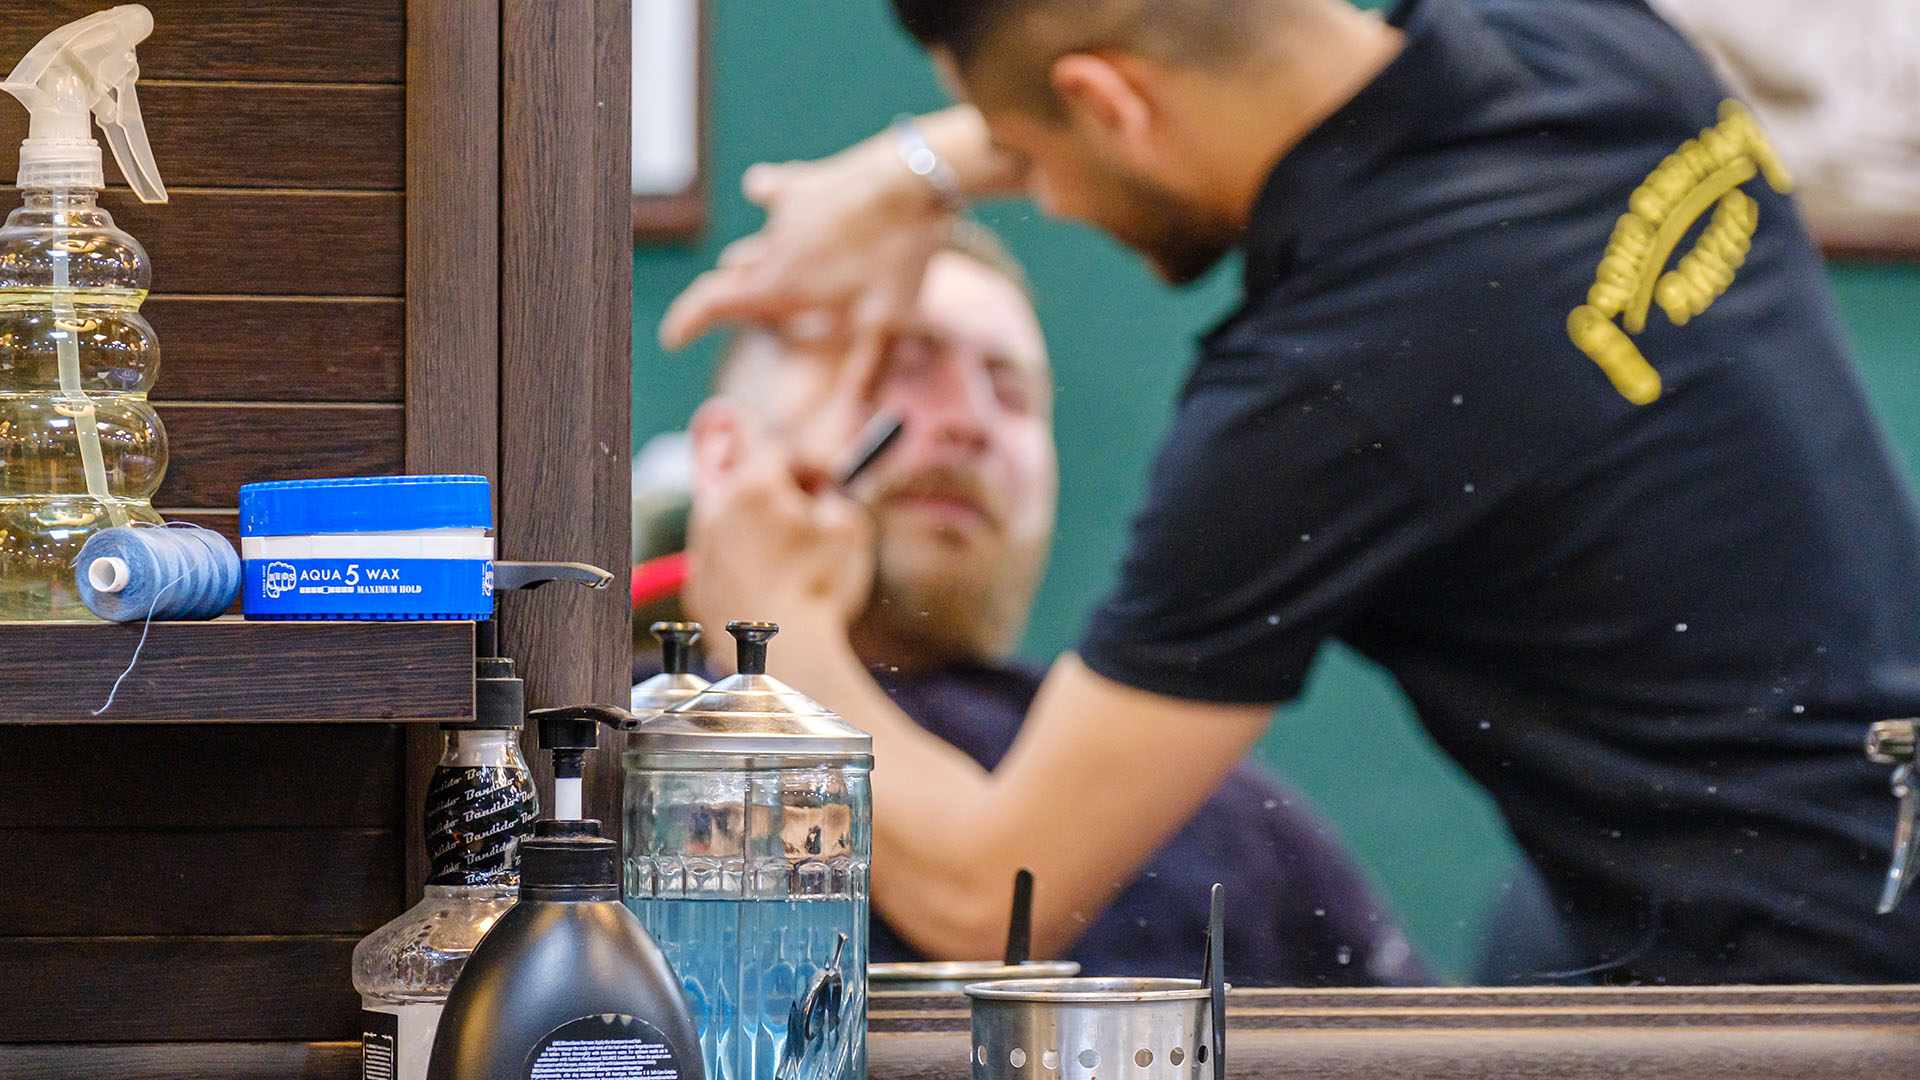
{"points": [[1086, 1029]]}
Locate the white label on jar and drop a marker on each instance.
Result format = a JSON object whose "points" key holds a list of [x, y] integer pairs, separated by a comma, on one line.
{"points": [[397, 1040]]}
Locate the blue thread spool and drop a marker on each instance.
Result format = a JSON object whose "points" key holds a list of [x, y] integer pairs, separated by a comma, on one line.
{"points": [[126, 574]]}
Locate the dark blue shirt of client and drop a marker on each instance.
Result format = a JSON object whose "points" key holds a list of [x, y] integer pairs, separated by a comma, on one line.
{"points": [[1299, 913]]}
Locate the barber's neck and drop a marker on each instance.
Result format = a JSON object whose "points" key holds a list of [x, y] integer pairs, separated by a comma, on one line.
{"points": [[1245, 121]]}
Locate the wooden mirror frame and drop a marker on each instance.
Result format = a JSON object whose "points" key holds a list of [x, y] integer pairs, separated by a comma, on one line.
{"points": [[680, 217]]}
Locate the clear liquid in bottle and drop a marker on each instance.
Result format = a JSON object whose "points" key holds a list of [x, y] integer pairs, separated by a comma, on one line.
{"points": [[480, 803], [80, 446]]}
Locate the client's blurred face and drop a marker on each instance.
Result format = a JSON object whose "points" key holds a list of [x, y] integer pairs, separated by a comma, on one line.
{"points": [[965, 500]]}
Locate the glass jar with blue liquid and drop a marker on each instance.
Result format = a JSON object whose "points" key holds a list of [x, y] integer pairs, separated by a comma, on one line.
{"points": [[748, 833]]}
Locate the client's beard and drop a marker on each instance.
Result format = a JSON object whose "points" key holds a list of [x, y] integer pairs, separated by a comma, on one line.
{"points": [[918, 622]]}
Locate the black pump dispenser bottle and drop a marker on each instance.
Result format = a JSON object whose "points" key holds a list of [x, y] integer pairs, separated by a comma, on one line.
{"points": [[567, 984]]}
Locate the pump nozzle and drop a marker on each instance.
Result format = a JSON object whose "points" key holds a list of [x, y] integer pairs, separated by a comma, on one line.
{"points": [[570, 731], [87, 66]]}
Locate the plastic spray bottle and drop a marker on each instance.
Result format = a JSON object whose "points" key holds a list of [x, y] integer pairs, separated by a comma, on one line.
{"points": [[80, 448]]}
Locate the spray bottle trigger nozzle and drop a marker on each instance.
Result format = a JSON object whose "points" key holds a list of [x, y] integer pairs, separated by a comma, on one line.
{"points": [[81, 72], [118, 113]]}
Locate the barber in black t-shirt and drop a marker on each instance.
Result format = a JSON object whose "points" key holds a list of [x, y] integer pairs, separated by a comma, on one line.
{"points": [[1537, 397]]}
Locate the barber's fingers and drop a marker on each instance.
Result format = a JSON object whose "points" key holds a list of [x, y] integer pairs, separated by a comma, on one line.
{"points": [[762, 183], [743, 251], [726, 294]]}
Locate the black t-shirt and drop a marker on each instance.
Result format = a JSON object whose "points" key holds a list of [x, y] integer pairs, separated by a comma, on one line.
{"points": [[1299, 912], [1654, 633]]}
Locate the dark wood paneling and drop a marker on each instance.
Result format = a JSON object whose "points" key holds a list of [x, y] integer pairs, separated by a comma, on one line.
{"points": [[184, 1061], [178, 989], [238, 671], [239, 349], [564, 477], [1871, 1053], [179, 776], [453, 240], [94, 882], [238, 135], [295, 40], [215, 449], [453, 280], [271, 243]]}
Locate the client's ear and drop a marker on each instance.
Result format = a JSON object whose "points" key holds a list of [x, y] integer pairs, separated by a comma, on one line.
{"points": [[717, 432]]}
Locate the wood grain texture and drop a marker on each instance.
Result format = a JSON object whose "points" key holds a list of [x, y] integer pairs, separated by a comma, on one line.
{"points": [[1712, 1054], [1274, 1009], [137, 989], [453, 281], [229, 135], [186, 776], [453, 240], [229, 670], [184, 1061], [1824, 1032], [293, 349], [266, 243], [115, 882], [564, 474], [215, 449], [272, 40]]}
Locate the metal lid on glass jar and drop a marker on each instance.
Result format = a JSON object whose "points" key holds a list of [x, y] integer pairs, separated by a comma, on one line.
{"points": [[675, 683], [752, 719]]}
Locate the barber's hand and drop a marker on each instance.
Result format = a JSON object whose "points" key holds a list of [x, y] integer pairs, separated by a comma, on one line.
{"points": [[769, 539], [845, 246]]}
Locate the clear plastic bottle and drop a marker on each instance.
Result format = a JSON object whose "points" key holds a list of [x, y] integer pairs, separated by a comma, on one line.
{"points": [[80, 448], [480, 804]]}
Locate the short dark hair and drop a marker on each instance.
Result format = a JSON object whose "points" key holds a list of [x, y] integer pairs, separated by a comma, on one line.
{"points": [[958, 26], [1193, 33]]}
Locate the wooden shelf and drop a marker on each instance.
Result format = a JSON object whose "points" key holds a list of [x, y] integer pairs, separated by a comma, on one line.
{"points": [[230, 670]]}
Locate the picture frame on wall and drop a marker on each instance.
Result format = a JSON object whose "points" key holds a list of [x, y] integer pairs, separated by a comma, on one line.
{"points": [[669, 120], [1836, 85]]}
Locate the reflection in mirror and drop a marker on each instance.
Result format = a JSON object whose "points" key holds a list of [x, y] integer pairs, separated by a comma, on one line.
{"points": [[1646, 640]]}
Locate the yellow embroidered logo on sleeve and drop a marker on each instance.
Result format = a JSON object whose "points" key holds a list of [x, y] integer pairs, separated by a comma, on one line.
{"points": [[1704, 172]]}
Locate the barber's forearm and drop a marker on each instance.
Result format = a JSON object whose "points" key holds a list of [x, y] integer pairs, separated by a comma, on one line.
{"points": [[958, 135], [938, 871]]}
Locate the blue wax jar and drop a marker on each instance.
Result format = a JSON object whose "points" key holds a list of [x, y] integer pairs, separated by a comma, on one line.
{"points": [[373, 547]]}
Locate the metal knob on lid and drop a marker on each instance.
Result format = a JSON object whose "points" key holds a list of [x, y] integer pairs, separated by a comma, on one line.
{"points": [[752, 719], [675, 683]]}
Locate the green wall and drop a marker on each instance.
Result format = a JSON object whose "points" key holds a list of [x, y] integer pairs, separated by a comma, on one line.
{"points": [[791, 81]]}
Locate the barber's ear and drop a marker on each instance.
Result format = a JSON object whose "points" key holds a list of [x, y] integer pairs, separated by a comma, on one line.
{"points": [[1110, 96], [717, 432]]}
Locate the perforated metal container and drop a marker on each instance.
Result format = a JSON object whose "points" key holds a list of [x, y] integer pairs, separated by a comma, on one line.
{"points": [[1086, 1029]]}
